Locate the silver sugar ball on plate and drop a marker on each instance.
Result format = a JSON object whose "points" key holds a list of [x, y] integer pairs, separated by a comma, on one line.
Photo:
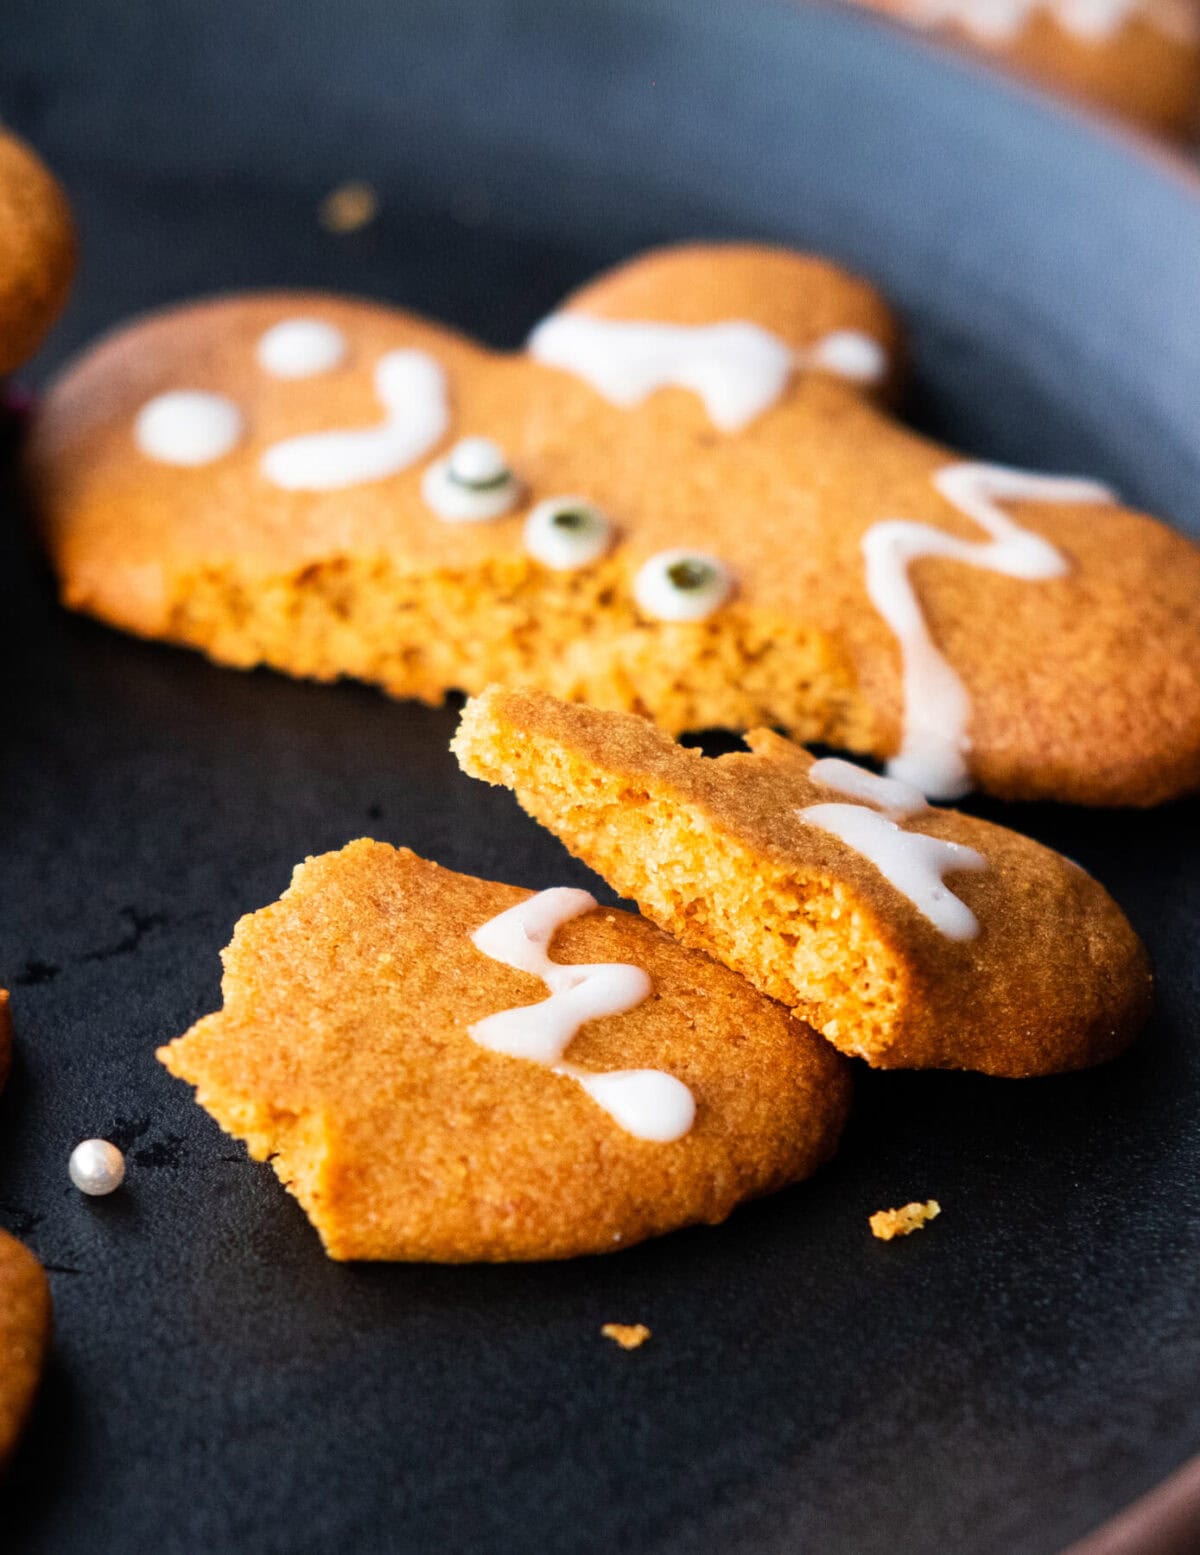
{"points": [[96, 1167]]}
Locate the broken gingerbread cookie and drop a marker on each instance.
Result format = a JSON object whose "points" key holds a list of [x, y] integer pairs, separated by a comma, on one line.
{"points": [[910, 936], [37, 251], [442, 1068], [1138, 59], [686, 498]]}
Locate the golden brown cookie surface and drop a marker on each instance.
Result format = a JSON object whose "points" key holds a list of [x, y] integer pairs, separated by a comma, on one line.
{"points": [[863, 587], [37, 252], [1013, 961], [344, 1054], [1138, 59], [24, 1337]]}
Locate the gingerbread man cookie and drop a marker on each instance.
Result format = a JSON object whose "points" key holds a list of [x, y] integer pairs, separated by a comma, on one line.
{"points": [[686, 498], [37, 252], [909, 936], [1139, 59], [445, 1069]]}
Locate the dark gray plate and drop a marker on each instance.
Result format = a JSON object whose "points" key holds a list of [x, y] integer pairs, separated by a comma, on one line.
{"points": [[996, 1385]]}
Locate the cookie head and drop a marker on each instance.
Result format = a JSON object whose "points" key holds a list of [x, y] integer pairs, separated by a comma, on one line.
{"points": [[442, 1068]]}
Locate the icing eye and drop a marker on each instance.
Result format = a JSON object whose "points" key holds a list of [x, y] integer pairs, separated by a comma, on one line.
{"points": [[472, 483], [682, 586], [187, 426], [567, 532]]}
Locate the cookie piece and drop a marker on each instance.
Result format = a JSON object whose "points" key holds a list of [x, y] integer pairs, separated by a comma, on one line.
{"points": [[686, 500], [387, 1044], [25, 1320], [887, 1224], [911, 937], [630, 1336], [1138, 59], [37, 252]]}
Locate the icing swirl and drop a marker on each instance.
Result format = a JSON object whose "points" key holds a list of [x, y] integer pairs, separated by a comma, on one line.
{"points": [[646, 1103]]}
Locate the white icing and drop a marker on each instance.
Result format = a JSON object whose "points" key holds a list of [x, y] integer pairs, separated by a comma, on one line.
{"points": [[412, 388], [848, 353], [300, 348], [937, 708], [645, 1102], [471, 484], [910, 861], [896, 799], [188, 426], [737, 368], [563, 548], [1000, 21], [660, 596]]}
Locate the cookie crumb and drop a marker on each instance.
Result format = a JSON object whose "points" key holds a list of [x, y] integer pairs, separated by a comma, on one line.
{"points": [[349, 207], [887, 1223], [628, 1335]]}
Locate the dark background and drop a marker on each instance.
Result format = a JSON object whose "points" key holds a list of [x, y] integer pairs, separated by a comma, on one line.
{"points": [[993, 1386]]}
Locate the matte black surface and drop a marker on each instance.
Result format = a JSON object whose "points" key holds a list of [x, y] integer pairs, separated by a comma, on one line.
{"points": [[991, 1387]]}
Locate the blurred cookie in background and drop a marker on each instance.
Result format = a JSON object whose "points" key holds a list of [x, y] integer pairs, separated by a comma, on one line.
{"points": [[37, 251], [1138, 59]]}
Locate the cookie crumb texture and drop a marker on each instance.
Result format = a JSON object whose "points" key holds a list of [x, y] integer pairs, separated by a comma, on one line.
{"points": [[37, 252], [342, 1056], [25, 1321], [630, 1336], [713, 850], [1082, 687], [889, 1223]]}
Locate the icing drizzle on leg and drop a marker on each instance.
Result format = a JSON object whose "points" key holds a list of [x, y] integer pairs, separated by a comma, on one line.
{"points": [[910, 861], [897, 800], [647, 1103], [937, 709]]}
